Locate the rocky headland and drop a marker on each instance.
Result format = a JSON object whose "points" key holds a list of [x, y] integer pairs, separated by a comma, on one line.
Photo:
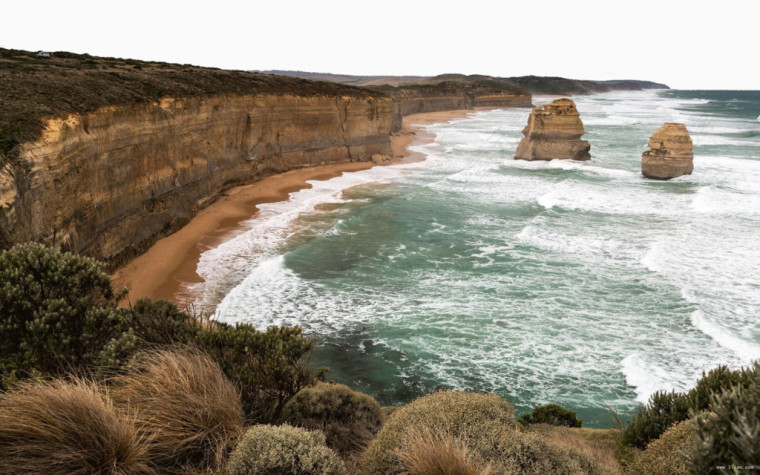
{"points": [[103, 156], [670, 153], [554, 130]]}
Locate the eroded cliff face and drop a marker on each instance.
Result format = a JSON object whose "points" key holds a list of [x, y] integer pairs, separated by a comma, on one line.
{"points": [[412, 102], [108, 183]]}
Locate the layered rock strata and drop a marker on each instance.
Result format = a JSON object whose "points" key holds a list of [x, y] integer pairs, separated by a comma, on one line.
{"points": [[554, 131], [416, 100], [670, 153], [110, 182]]}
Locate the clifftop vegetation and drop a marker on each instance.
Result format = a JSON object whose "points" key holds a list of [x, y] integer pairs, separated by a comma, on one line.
{"points": [[33, 88], [88, 387]]}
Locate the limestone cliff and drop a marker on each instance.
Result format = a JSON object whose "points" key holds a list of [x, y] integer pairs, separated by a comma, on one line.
{"points": [[670, 155], [554, 131], [109, 182], [448, 96]]}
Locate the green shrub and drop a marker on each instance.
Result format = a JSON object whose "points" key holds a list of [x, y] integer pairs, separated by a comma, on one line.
{"points": [[185, 406], [348, 419], [668, 454], [553, 414], [730, 433], [485, 423], [276, 450], [67, 427], [665, 409], [269, 367], [57, 312], [160, 323]]}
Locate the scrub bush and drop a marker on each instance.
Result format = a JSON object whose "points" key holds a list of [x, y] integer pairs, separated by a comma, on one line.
{"points": [[485, 424], [349, 419], [668, 454], [276, 450], [665, 409], [269, 367], [729, 435], [553, 414], [57, 313]]}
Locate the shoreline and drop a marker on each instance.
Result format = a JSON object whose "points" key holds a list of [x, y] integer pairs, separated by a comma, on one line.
{"points": [[167, 267]]}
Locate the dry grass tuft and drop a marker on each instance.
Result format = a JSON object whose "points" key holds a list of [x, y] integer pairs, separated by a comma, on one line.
{"points": [[599, 444], [67, 427], [426, 453], [667, 455], [185, 405]]}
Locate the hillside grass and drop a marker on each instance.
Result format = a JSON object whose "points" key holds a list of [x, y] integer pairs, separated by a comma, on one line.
{"points": [[33, 88]]}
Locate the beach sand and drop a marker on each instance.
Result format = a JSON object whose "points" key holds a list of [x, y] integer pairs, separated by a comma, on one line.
{"points": [[163, 270]]}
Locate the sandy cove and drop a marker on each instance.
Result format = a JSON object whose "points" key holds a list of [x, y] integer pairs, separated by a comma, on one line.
{"points": [[163, 271]]}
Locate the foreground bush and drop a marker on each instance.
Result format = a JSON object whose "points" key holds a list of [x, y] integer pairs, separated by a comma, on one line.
{"points": [[348, 419], [668, 454], [269, 367], [67, 427], [423, 452], [485, 424], [57, 312], [665, 409], [730, 434], [553, 414], [185, 406], [275, 450], [161, 323]]}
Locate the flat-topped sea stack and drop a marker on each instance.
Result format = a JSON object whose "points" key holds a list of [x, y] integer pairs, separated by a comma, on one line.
{"points": [[554, 131], [670, 155]]}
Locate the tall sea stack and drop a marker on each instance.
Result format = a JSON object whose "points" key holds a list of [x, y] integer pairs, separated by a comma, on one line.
{"points": [[670, 155], [554, 131]]}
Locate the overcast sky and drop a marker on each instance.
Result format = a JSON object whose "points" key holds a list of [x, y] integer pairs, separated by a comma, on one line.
{"points": [[685, 44]]}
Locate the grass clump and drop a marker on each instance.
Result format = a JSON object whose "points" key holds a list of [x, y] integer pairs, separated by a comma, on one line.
{"points": [[275, 450], [349, 419], [486, 425], [185, 406], [668, 454], [67, 427], [424, 452], [600, 444], [552, 414]]}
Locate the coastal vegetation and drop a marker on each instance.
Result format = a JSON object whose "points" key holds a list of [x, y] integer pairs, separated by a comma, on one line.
{"points": [[34, 87], [92, 387]]}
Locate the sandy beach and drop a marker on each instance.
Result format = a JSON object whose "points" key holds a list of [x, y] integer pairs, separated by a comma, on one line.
{"points": [[163, 271]]}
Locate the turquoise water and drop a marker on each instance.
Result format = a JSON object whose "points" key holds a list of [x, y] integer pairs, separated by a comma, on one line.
{"points": [[578, 283]]}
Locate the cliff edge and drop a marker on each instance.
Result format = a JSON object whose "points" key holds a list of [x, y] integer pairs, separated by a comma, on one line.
{"points": [[103, 156]]}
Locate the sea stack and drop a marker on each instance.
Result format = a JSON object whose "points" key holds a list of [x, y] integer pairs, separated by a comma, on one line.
{"points": [[670, 155], [554, 131]]}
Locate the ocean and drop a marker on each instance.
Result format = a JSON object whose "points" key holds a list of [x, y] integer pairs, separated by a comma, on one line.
{"points": [[577, 283]]}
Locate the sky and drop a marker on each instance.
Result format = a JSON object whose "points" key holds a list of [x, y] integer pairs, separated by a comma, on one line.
{"points": [[685, 44]]}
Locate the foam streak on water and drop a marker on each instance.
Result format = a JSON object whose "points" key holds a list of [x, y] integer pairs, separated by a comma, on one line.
{"points": [[579, 283]]}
